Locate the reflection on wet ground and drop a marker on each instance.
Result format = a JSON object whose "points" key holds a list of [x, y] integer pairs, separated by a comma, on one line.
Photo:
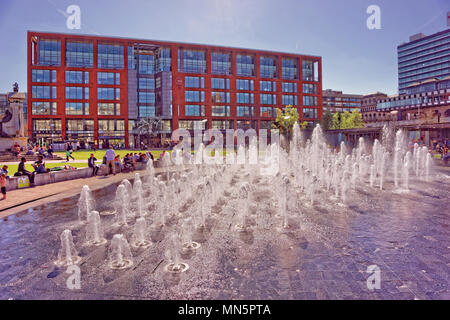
{"points": [[323, 255]]}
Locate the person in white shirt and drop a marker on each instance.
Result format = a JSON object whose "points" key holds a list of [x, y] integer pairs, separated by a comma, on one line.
{"points": [[110, 155]]}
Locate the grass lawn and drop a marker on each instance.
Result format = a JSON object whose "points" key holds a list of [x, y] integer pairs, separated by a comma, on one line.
{"points": [[12, 168], [84, 154]]}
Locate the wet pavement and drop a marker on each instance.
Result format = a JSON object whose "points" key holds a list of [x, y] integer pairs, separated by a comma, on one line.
{"points": [[323, 255]]}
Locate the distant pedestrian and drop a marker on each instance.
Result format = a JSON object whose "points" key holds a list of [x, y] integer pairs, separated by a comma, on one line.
{"points": [[110, 154], [69, 155]]}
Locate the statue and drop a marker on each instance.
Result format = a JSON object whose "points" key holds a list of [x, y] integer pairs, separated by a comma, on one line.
{"points": [[12, 123], [5, 119]]}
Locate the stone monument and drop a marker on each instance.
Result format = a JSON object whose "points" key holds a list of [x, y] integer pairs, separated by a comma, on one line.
{"points": [[12, 124]]}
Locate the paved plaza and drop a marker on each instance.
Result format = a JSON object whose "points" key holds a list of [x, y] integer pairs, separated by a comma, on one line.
{"points": [[324, 255]]}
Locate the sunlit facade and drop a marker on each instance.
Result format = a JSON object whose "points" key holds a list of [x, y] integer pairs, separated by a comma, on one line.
{"points": [[96, 89]]}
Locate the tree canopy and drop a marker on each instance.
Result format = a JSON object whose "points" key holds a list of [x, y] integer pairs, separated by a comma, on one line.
{"points": [[346, 120]]}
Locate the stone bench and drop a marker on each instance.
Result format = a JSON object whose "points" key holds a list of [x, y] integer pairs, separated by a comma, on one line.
{"points": [[102, 168], [64, 175], [50, 177]]}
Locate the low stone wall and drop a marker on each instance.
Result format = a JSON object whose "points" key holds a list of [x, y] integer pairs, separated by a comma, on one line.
{"points": [[57, 176]]}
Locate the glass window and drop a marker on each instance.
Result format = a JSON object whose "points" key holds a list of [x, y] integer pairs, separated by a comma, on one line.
{"points": [[289, 87], [309, 101], [194, 96], [309, 88], [108, 78], [220, 63], [110, 56], [267, 67], [146, 97], [131, 58], [111, 127], [83, 127], [267, 112], [78, 93], [191, 61], [146, 64], [220, 111], [220, 97], [192, 124], [146, 83], [309, 113], [108, 109], [147, 111], [43, 107], [108, 93], [163, 60], [289, 68], [267, 99], [77, 77], [194, 82], [267, 86], [244, 97], [49, 52], [244, 111], [79, 54], [220, 83], [310, 70], [46, 126], [77, 108], [43, 92], [245, 65], [289, 100], [43, 75], [242, 84], [194, 110], [222, 124]]}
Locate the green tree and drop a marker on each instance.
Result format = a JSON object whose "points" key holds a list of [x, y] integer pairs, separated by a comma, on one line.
{"points": [[336, 121], [327, 121], [286, 118], [347, 120], [356, 119]]}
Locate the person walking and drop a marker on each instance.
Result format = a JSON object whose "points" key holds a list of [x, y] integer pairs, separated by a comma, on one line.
{"points": [[69, 155], [110, 156], [91, 164]]}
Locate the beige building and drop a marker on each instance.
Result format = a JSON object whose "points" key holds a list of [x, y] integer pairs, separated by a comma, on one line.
{"points": [[337, 101]]}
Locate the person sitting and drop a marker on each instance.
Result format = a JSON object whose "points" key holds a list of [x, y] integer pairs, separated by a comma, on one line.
{"points": [[50, 152], [4, 170], [22, 171], [91, 164], [42, 152], [127, 163], [39, 165], [117, 162], [30, 152], [16, 150]]}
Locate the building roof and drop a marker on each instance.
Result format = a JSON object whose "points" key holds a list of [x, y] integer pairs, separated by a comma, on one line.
{"points": [[169, 42]]}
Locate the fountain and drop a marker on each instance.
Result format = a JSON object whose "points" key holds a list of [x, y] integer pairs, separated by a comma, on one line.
{"points": [[242, 210], [85, 204], [188, 229], [67, 255], [173, 255], [120, 254], [94, 231], [121, 205], [140, 231]]}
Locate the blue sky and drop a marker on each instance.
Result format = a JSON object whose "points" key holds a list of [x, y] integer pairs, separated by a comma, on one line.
{"points": [[355, 59]]}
